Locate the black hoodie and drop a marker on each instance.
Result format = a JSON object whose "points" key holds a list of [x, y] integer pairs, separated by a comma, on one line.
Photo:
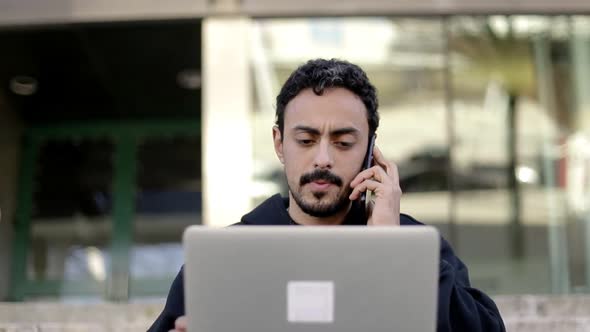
{"points": [[460, 307]]}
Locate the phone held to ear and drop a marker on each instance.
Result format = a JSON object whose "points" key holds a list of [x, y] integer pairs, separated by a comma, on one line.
{"points": [[367, 163]]}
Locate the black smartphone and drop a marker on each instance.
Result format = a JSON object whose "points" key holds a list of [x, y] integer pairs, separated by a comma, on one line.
{"points": [[367, 163]]}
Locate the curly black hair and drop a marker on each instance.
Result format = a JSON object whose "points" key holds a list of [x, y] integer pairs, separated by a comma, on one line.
{"points": [[321, 74]]}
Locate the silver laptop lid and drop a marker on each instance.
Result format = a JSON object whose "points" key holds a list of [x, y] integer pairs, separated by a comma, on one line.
{"points": [[287, 279]]}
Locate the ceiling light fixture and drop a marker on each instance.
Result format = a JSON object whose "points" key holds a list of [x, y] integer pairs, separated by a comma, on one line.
{"points": [[23, 85], [189, 79]]}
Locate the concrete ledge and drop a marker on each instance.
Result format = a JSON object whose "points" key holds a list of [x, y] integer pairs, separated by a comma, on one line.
{"points": [[526, 313], [58, 317], [548, 325], [544, 306], [551, 313]]}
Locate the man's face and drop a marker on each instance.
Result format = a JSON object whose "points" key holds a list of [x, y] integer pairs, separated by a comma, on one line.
{"points": [[323, 146]]}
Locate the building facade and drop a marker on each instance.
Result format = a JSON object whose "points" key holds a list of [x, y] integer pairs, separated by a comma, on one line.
{"points": [[121, 124]]}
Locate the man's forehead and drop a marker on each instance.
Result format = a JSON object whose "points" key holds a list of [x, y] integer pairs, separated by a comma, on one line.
{"points": [[328, 95], [334, 105]]}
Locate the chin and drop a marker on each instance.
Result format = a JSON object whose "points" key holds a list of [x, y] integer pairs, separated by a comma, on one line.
{"points": [[321, 196]]}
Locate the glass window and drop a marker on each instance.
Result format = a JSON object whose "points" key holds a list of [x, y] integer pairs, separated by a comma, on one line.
{"points": [[71, 218], [487, 120], [404, 58], [168, 199]]}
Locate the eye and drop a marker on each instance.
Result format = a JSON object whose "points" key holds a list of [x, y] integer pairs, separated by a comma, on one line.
{"points": [[305, 142], [343, 144]]}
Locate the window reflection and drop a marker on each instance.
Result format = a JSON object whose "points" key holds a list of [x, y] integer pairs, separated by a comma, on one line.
{"points": [[168, 199], [71, 225], [490, 154]]}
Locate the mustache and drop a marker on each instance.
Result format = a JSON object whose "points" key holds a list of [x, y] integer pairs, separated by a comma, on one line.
{"points": [[320, 174]]}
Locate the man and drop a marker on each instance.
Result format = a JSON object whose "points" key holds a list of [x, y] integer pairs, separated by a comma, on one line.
{"points": [[326, 114]]}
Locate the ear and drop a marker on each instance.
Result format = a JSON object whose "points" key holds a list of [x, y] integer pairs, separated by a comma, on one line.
{"points": [[278, 143]]}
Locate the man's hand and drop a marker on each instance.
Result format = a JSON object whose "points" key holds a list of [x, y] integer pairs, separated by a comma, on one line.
{"points": [[180, 324], [383, 180]]}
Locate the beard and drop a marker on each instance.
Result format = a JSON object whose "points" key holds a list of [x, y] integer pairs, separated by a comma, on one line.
{"points": [[321, 205]]}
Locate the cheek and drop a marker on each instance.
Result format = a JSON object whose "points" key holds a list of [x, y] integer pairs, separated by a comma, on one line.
{"points": [[351, 163], [295, 161], [292, 170], [349, 176]]}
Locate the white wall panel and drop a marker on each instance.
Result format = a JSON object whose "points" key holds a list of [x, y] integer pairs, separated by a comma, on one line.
{"points": [[420, 7], [21, 12], [62, 11]]}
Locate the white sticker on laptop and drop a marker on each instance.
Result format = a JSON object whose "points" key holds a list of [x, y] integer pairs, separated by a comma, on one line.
{"points": [[310, 301]]}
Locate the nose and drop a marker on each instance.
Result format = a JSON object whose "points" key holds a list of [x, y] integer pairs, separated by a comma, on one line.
{"points": [[323, 156]]}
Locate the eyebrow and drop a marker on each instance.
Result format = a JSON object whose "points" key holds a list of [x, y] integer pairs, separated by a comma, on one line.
{"points": [[335, 132]]}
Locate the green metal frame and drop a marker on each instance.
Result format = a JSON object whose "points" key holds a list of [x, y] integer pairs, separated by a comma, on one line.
{"points": [[138, 129], [123, 208], [126, 137], [22, 223]]}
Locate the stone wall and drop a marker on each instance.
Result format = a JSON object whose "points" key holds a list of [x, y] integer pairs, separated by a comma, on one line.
{"points": [[521, 314]]}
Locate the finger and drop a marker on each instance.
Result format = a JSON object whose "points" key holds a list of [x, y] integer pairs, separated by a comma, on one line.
{"points": [[362, 176], [380, 160], [375, 172], [381, 175], [362, 187], [180, 323], [390, 168], [394, 174]]}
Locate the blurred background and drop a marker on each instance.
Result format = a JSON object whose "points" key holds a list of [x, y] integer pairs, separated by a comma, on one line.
{"points": [[121, 123]]}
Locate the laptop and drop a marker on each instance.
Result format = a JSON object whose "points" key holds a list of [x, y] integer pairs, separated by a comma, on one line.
{"points": [[311, 279]]}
